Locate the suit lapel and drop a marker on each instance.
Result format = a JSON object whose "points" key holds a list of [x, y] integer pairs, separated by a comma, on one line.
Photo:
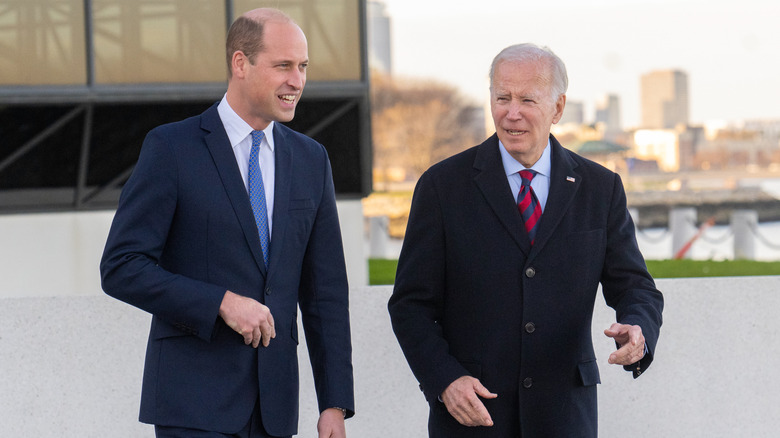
{"points": [[564, 183], [225, 160], [283, 156], [491, 180]]}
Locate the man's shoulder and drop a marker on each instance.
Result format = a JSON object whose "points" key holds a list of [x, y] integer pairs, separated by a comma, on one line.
{"points": [[301, 142], [192, 125], [456, 163]]}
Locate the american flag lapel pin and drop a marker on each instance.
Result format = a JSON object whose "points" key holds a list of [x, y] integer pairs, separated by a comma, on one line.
{"points": [[570, 179]]}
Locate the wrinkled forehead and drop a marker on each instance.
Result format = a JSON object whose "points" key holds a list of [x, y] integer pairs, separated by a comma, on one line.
{"points": [[517, 75]]}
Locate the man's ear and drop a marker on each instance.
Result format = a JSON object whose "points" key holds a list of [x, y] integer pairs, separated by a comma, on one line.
{"points": [[559, 105], [238, 63]]}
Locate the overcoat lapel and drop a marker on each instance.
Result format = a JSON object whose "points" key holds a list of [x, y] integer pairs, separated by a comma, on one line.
{"points": [[564, 183], [491, 180], [225, 160]]}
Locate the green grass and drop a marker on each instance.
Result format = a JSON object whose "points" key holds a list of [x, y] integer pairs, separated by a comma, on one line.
{"points": [[709, 268], [382, 271]]}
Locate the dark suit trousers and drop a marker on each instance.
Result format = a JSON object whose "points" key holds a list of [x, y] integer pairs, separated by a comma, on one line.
{"points": [[253, 429]]}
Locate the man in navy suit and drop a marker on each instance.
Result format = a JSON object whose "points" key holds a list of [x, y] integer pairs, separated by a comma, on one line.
{"points": [[493, 303], [223, 268]]}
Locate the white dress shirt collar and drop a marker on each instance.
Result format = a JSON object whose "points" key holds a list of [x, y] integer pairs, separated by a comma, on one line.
{"points": [[240, 135], [237, 129], [542, 166]]}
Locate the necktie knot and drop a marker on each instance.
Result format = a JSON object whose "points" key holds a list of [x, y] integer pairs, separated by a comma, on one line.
{"points": [[257, 137], [527, 175]]}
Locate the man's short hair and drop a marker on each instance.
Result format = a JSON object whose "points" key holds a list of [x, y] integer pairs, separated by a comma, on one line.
{"points": [[529, 52], [246, 35]]}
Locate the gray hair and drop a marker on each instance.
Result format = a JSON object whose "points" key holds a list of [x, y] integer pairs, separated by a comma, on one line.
{"points": [[529, 52]]}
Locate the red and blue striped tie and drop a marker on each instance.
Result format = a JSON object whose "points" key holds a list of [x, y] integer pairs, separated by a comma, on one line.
{"points": [[528, 204]]}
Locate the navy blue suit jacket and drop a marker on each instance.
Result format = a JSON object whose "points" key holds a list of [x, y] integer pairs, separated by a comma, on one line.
{"points": [[184, 233], [473, 297]]}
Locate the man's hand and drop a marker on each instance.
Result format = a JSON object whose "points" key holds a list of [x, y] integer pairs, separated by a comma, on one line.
{"points": [[631, 342], [248, 318], [463, 403], [331, 424]]}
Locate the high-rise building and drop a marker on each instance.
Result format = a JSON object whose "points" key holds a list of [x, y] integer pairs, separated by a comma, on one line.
{"points": [[574, 112], [608, 113], [379, 47], [664, 99]]}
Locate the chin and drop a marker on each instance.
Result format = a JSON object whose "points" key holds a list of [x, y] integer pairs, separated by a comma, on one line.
{"points": [[286, 117], [516, 144]]}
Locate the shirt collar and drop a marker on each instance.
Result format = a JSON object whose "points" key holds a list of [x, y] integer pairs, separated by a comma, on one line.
{"points": [[542, 166], [237, 129]]}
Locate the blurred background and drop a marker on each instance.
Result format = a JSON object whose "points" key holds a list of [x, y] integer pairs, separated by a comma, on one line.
{"points": [[678, 97]]}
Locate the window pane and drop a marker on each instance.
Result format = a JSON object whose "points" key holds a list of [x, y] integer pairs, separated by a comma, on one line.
{"points": [[332, 29], [160, 41], [53, 162], [42, 42]]}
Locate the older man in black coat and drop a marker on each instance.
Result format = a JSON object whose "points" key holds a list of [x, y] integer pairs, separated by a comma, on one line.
{"points": [[506, 246]]}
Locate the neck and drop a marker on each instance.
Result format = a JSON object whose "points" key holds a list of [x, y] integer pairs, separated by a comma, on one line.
{"points": [[241, 108]]}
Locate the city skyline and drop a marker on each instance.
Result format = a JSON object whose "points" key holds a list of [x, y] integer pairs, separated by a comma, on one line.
{"points": [[665, 99], [728, 53]]}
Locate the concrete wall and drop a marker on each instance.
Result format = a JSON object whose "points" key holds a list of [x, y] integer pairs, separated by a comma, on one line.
{"points": [[71, 367], [58, 254], [52, 254]]}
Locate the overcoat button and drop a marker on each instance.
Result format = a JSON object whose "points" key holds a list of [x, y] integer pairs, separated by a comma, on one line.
{"points": [[530, 327], [530, 272], [528, 382]]}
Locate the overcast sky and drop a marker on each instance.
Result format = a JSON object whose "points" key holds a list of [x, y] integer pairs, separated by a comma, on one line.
{"points": [[730, 49]]}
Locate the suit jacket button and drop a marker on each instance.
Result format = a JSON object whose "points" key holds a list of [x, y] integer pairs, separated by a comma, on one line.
{"points": [[530, 327], [528, 382], [268, 291], [530, 272]]}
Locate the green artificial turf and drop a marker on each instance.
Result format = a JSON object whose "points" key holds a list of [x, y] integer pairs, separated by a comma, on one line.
{"points": [[382, 271]]}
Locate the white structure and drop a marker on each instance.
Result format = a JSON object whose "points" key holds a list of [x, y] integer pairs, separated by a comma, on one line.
{"points": [[682, 224], [71, 367], [660, 145], [379, 37], [59, 253]]}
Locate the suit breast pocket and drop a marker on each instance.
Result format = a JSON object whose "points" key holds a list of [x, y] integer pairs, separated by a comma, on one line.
{"points": [[298, 205]]}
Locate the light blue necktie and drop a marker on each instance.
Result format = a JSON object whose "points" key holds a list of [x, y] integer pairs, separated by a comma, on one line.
{"points": [[257, 194]]}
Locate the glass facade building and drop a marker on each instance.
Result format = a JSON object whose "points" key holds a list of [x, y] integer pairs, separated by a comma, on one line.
{"points": [[83, 81]]}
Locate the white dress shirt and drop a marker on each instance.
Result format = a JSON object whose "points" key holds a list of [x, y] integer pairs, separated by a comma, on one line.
{"points": [[240, 134]]}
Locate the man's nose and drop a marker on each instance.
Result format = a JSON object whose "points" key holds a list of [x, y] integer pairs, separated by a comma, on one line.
{"points": [[296, 79], [514, 112]]}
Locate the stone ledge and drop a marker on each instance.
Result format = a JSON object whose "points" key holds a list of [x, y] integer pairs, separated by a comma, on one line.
{"points": [[71, 367]]}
